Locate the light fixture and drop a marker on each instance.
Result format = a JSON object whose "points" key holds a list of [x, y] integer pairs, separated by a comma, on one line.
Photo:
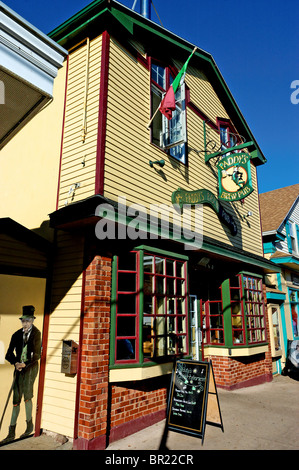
{"points": [[249, 214], [159, 162]]}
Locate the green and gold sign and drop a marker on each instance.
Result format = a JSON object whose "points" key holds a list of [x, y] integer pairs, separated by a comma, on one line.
{"points": [[204, 196], [234, 177]]}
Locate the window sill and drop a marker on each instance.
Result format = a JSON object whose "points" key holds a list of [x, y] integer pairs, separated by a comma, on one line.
{"points": [[126, 374], [235, 351]]}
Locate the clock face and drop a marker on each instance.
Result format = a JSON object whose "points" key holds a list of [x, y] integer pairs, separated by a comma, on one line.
{"points": [[234, 178]]}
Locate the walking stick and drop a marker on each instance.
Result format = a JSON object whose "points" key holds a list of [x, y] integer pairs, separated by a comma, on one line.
{"points": [[7, 401]]}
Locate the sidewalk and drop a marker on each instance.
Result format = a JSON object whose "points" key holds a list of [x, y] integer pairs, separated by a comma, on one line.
{"points": [[263, 417]]}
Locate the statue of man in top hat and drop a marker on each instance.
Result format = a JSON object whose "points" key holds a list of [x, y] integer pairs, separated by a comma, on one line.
{"points": [[23, 352]]}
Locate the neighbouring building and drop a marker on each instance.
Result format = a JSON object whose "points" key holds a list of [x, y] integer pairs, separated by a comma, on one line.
{"points": [[152, 245], [280, 225]]}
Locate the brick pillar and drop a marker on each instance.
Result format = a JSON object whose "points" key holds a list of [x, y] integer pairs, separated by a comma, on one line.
{"points": [[93, 405]]}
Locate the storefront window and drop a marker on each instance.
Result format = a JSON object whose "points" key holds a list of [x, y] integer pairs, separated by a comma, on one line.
{"points": [[276, 328], [254, 309], [212, 319], [238, 327], [151, 322], [294, 304], [234, 313]]}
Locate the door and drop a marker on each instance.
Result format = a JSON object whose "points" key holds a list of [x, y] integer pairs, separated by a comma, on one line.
{"points": [[196, 337]]}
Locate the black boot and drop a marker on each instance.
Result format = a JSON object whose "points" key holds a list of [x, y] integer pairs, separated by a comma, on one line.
{"points": [[29, 429], [11, 435]]}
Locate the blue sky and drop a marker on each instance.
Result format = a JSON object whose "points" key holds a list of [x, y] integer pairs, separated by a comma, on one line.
{"points": [[255, 44]]}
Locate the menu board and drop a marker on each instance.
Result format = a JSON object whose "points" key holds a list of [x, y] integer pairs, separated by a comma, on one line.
{"points": [[188, 398]]}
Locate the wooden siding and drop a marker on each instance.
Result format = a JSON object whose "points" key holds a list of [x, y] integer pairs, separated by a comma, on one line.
{"points": [[58, 412], [78, 161], [128, 151]]}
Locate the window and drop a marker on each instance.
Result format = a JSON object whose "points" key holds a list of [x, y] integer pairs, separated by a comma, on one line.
{"points": [[228, 135], [169, 135], [126, 308], [254, 309], [292, 232], [234, 313], [294, 304], [151, 310], [212, 318], [238, 328]]}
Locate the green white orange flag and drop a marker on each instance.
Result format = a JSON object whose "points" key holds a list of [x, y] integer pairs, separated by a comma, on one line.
{"points": [[167, 105]]}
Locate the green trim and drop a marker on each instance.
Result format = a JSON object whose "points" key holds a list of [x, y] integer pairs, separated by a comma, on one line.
{"points": [[113, 309], [230, 149], [248, 273], [256, 261], [275, 296], [285, 259], [158, 251], [227, 314]]}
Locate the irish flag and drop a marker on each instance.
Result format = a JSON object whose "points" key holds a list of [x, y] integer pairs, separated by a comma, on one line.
{"points": [[167, 105]]}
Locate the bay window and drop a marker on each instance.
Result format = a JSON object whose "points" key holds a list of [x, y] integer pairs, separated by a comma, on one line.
{"points": [[236, 315], [150, 307]]}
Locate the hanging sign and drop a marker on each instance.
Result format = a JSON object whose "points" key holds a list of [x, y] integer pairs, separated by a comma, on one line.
{"points": [[234, 177], [204, 196], [193, 399]]}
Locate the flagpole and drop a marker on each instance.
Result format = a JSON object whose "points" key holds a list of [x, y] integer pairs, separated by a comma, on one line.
{"points": [[154, 115]]}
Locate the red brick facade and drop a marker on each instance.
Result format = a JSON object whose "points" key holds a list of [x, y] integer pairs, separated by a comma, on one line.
{"points": [[92, 420], [107, 412]]}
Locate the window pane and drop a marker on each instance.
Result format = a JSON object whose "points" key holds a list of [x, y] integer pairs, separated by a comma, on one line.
{"points": [[159, 265], [127, 262], [125, 349], [158, 74], [160, 285], [148, 263], [126, 303], [126, 326], [170, 286], [148, 284], [169, 267], [148, 304], [126, 282]]}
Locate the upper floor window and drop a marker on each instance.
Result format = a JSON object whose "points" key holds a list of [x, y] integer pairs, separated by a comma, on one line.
{"points": [[228, 135], [292, 236], [168, 134]]}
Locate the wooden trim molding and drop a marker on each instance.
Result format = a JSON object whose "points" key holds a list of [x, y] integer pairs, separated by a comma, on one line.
{"points": [[102, 118]]}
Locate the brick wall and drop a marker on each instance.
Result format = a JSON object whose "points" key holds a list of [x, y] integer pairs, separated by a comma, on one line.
{"points": [[135, 405], [92, 419]]}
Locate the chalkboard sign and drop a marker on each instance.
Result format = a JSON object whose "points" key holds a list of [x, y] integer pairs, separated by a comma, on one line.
{"points": [[193, 398]]}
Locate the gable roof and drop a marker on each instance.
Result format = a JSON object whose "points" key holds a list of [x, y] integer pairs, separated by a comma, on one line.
{"points": [[275, 206], [111, 15]]}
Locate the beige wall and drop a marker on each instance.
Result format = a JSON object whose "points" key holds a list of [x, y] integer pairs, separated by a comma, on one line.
{"points": [[29, 165]]}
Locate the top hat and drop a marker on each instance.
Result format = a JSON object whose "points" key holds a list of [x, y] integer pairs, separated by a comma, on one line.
{"points": [[28, 311]]}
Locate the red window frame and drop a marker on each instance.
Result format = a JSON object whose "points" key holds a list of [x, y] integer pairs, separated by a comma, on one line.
{"points": [[213, 334], [178, 336], [129, 314], [254, 309]]}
